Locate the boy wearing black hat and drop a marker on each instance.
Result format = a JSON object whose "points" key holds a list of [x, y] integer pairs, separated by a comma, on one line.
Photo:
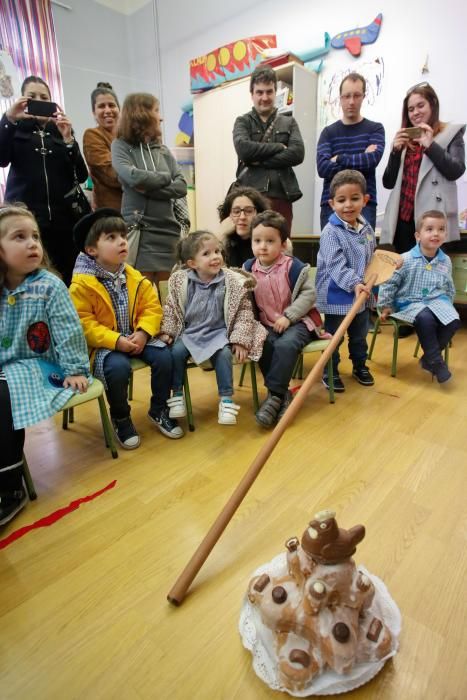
{"points": [[120, 313]]}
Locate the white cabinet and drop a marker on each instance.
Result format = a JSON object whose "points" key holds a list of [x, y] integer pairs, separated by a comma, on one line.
{"points": [[215, 112]]}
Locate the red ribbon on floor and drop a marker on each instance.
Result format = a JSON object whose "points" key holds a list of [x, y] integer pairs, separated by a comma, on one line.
{"points": [[53, 517]]}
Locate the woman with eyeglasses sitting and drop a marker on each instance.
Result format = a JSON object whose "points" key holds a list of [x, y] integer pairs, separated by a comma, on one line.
{"points": [[236, 213], [426, 159]]}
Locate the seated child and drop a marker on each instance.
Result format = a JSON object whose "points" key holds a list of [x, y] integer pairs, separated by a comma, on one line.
{"points": [[284, 295], [208, 315], [120, 313], [422, 291], [43, 356], [346, 246]]}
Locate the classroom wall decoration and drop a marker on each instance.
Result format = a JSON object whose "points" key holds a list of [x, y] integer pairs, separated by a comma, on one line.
{"points": [[229, 62], [353, 39], [329, 102]]}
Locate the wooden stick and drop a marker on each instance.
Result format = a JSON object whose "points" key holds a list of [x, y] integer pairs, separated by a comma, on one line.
{"points": [[178, 591]]}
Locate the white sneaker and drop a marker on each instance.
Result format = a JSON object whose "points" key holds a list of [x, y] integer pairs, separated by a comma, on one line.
{"points": [[228, 411], [177, 406]]}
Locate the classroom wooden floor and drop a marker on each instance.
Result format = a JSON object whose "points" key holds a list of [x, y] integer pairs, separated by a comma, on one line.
{"points": [[83, 610]]}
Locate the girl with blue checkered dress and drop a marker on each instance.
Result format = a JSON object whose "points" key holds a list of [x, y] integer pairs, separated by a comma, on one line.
{"points": [[43, 355]]}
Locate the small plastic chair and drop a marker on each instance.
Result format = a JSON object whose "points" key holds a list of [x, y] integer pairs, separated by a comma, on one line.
{"points": [[396, 325], [95, 391], [316, 346]]}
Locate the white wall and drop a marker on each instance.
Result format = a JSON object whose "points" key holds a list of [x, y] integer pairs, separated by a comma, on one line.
{"points": [[410, 32]]}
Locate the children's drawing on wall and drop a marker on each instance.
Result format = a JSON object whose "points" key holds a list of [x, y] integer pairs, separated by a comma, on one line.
{"points": [[329, 110]]}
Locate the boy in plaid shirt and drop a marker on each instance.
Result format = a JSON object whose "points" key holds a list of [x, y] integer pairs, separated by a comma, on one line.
{"points": [[346, 247], [422, 292]]}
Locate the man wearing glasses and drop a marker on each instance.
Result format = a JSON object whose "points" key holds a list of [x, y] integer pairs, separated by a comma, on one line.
{"points": [[352, 142], [268, 145]]}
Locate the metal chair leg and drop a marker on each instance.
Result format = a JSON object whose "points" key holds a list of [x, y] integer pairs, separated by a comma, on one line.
{"points": [[254, 386], [30, 488], [65, 419], [373, 340], [130, 387], [395, 346], [107, 428], [189, 408], [242, 375], [331, 381]]}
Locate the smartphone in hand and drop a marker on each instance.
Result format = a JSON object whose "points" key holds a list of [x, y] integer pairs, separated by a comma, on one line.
{"points": [[41, 108], [414, 132]]}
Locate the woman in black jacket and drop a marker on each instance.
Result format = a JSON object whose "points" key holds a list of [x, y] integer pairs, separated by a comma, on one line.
{"points": [[44, 158]]}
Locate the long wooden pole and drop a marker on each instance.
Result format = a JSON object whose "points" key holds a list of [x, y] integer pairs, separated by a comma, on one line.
{"points": [[178, 591]]}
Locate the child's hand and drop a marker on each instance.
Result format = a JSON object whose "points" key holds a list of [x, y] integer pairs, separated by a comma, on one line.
{"points": [[400, 262], [281, 324], [126, 345], [387, 311], [139, 338], [77, 382], [360, 287], [166, 338], [240, 352]]}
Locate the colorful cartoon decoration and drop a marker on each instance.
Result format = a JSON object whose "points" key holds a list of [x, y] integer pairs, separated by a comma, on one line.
{"points": [[352, 40], [232, 61], [184, 136]]}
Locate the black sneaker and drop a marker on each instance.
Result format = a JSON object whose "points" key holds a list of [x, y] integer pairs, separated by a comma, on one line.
{"points": [[168, 426], [339, 387], [10, 504], [126, 433], [363, 376]]}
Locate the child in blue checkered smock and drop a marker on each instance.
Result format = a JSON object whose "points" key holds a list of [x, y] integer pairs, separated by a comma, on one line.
{"points": [[43, 355], [422, 292], [346, 247]]}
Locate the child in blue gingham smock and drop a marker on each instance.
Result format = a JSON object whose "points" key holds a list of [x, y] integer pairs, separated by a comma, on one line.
{"points": [[422, 292], [43, 354], [345, 249]]}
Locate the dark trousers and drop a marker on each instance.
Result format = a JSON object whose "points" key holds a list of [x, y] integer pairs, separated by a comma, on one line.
{"points": [[11, 440], [404, 237], [58, 242], [357, 332], [12, 443], [433, 335], [280, 354], [282, 206], [368, 212], [117, 371]]}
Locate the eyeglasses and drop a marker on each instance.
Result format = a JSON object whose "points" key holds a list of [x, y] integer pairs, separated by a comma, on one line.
{"points": [[237, 211], [417, 85], [354, 95]]}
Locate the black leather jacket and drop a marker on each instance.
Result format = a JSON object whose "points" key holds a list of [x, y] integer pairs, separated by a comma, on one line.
{"points": [[41, 167], [267, 166]]}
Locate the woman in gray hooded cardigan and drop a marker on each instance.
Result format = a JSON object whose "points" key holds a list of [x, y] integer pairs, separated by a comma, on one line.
{"points": [[151, 180]]}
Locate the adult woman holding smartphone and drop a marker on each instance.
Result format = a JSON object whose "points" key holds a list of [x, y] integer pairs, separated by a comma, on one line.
{"points": [[426, 159], [107, 191], [37, 142]]}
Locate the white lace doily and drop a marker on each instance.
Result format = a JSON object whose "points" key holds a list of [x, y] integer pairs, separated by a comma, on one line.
{"points": [[259, 639]]}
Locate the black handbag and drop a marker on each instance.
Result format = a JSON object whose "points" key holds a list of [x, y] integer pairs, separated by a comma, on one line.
{"points": [[77, 200]]}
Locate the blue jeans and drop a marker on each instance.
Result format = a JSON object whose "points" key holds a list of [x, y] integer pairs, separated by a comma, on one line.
{"points": [[433, 335], [117, 370], [357, 332], [221, 361], [368, 212], [280, 354]]}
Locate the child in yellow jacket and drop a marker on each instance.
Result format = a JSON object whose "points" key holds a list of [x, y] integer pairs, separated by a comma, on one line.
{"points": [[120, 313]]}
